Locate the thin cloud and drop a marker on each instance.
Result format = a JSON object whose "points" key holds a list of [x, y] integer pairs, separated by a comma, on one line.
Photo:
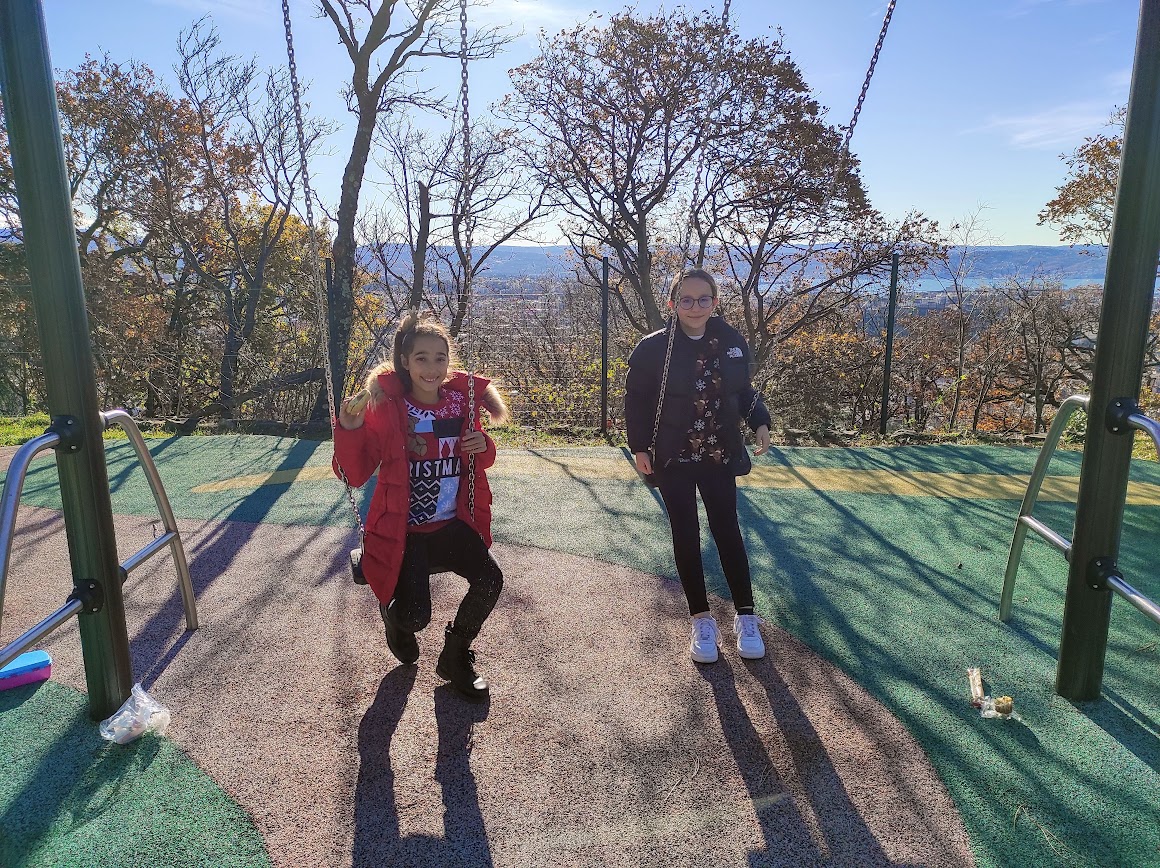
{"points": [[531, 15], [1064, 125], [248, 10]]}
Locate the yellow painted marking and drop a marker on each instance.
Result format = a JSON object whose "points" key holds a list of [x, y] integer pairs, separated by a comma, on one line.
{"points": [[904, 483], [276, 477]]}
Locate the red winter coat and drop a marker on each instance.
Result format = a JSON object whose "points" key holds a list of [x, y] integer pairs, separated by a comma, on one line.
{"points": [[381, 442]]}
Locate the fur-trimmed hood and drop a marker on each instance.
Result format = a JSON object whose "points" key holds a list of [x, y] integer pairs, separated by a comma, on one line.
{"points": [[383, 382]]}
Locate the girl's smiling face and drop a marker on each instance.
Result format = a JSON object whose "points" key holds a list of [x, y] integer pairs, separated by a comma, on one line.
{"points": [[427, 365], [694, 302]]}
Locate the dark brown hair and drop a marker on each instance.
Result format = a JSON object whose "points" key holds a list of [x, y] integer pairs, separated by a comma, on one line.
{"points": [[694, 274], [409, 329]]}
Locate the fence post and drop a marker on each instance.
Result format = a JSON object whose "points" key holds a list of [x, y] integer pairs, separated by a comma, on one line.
{"points": [[46, 216], [891, 307], [604, 347]]}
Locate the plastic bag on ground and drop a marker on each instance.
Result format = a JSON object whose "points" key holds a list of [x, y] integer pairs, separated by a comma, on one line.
{"points": [[140, 714]]}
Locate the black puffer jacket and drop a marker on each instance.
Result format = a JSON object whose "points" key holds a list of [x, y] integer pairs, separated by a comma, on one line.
{"points": [[645, 366]]}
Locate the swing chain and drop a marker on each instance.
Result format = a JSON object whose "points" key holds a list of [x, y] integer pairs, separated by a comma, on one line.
{"points": [[869, 75], [844, 153], [710, 114], [471, 458], [465, 201], [664, 385], [464, 97], [315, 251]]}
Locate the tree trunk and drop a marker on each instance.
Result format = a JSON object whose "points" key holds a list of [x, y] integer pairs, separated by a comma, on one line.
{"points": [[340, 294], [648, 297], [229, 374]]}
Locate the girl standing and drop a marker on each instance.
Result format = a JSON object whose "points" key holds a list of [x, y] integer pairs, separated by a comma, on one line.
{"points": [[698, 447], [429, 513]]}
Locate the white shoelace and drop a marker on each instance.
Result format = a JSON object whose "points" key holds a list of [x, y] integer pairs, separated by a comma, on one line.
{"points": [[705, 629], [748, 626]]}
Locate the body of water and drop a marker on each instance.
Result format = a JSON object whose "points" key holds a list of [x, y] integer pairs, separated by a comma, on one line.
{"points": [[932, 285]]}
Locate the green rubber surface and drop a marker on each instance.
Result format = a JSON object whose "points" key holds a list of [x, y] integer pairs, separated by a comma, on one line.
{"points": [[900, 592], [70, 798]]}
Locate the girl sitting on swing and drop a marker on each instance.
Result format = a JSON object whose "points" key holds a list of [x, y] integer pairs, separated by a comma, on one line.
{"points": [[431, 508]]}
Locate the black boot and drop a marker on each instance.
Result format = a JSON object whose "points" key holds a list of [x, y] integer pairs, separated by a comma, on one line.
{"points": [[456, 665], [401, 643]]}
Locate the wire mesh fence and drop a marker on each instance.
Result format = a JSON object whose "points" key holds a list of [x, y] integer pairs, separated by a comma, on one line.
{"points": [[542, 345]]}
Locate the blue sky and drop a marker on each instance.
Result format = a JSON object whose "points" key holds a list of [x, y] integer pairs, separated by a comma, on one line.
{"points": [[971, 106]]}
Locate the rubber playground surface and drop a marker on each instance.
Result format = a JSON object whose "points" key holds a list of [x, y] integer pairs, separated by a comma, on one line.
{"points": [[296, 739]]}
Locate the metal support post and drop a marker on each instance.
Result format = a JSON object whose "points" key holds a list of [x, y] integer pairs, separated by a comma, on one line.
{"points": [[604, 348], [46, 217], [1124, 316], [891, 308]]}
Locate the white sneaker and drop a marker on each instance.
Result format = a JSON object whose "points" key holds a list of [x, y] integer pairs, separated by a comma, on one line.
{"points": [[703, 647], [749, 642]]}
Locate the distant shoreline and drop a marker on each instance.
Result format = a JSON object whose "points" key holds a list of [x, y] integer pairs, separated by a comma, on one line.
{"points": [[1075, 265]]}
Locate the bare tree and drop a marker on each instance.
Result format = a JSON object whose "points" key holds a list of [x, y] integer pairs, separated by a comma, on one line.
{"points": [[1054, 331], [953, 269], [495, 201], [611, 139], [706, 147], [382, 39]]}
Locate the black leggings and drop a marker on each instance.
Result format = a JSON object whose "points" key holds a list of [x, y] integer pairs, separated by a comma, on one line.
{"points": [[678, 484], [453, 548]]}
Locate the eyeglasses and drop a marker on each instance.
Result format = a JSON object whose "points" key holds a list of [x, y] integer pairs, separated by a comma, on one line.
{"points": [[687, 302]]}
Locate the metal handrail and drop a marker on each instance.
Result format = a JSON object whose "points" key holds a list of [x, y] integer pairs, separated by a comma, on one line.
{"points": [[32, 636], [10, 503], [1027, 521], [1145, 605], [1149, 607], [10, 500], [1149, 426], [172, 536]]}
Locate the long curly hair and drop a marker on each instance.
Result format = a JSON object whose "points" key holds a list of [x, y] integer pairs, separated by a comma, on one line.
{"points": [[412, 327]]}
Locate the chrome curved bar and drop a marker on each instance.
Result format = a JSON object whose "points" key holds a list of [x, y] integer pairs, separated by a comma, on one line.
{"points": [[1025, 522], [10, 499], [171, 535]]}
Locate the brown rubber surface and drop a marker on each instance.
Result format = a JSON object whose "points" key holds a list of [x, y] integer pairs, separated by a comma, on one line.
{"points": [[602, 744]]}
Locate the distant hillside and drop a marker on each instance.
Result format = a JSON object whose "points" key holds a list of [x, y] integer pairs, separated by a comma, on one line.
{"points": [[1073, 263], [520, 261]]}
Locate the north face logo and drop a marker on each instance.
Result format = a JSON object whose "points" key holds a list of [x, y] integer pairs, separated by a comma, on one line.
{"points": [[734, 352]]}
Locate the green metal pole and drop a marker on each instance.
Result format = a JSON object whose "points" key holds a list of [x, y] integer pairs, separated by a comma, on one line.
{"points": [[604, 347], [891, 308], [54, 270], [1119, 362]]}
